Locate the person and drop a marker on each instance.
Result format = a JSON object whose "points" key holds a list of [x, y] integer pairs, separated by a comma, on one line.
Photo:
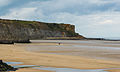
{"points": [[59, 43]]}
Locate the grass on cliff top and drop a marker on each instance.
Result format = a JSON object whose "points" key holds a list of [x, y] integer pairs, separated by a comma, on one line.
{"points": [[28, 22], [52, 26]]}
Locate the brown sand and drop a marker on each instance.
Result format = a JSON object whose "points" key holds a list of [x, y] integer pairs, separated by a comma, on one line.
{"points": [[18, 53]]}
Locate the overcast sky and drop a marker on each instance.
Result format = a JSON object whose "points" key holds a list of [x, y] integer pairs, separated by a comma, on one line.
{"points": [[93, 18]]}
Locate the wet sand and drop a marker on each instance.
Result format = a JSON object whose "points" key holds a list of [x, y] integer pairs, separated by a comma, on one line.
{"points": [[69, 54], [115, 70], [106, 50], [31, 70]]}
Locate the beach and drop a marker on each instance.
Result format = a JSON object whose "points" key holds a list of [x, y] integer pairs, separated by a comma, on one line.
{"points": [[76, 54]]}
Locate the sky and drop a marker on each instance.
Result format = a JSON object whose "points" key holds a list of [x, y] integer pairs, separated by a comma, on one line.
{"points": [[92, 18]]}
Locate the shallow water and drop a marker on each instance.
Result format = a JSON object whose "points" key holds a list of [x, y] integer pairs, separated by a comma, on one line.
{"points": [[96, 47], [10, 63], [19, 66], [56, 69], [70, 69], [25, 66], [52, 69]]}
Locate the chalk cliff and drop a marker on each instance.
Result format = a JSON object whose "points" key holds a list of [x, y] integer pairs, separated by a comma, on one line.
{"points": [[19, 30]]}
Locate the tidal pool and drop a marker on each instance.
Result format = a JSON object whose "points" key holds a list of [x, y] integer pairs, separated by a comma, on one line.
{"points": [[20, 66], [70, 69], [10, 63], [25, 66]]}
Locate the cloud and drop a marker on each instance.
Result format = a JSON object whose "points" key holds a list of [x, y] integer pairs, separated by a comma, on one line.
{"points": [[5, 2], [74, 6], [23, 14], [79, 7], [107, 22]]}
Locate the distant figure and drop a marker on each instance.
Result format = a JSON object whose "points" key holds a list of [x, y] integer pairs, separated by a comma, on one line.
{"points": [[59, 43]]}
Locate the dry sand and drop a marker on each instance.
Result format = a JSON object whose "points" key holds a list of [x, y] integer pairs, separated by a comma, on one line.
{"points": [[49, 54]]}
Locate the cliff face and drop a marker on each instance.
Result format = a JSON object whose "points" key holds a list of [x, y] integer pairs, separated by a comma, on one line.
{"points": [[20, 30]]}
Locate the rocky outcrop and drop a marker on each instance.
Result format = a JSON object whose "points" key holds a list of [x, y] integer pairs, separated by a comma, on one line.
{"points": [[6, 42], [4, 67], [22, 31]]}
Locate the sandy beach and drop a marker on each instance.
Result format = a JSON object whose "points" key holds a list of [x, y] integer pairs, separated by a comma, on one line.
{"points": [[69, 54]]}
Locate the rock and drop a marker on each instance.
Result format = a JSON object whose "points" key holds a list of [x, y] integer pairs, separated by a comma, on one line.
{"points": [[22, 41], [6, 42], [5, 67]]}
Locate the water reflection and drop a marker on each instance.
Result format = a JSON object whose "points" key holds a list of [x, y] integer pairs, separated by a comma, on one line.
{"points": [[25, 66], [10, 63], [70, 69]]}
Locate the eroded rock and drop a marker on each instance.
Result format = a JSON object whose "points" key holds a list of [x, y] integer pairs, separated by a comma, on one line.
{"points": [[6, 67]]}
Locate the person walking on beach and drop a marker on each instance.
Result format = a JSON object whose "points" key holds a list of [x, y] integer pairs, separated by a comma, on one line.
{"points": [[59, 43]]}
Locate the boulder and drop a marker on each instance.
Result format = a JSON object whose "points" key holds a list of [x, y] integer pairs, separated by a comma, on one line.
{"points": [[6, 67]]}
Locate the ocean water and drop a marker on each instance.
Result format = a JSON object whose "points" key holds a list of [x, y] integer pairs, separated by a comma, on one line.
{"points": [[112, 38]]}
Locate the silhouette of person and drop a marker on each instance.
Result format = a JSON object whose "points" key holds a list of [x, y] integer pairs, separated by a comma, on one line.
{"points": [[59, 43]]}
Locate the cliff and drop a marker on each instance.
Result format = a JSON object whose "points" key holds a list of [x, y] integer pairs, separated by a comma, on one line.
{"points": [[18, 30]]}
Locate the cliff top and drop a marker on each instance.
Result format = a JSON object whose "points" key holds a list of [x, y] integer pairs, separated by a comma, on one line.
{"points": [[29, 22]]}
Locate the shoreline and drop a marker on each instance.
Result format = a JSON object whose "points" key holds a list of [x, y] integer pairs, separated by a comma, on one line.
{"points": [[18, 53]]}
